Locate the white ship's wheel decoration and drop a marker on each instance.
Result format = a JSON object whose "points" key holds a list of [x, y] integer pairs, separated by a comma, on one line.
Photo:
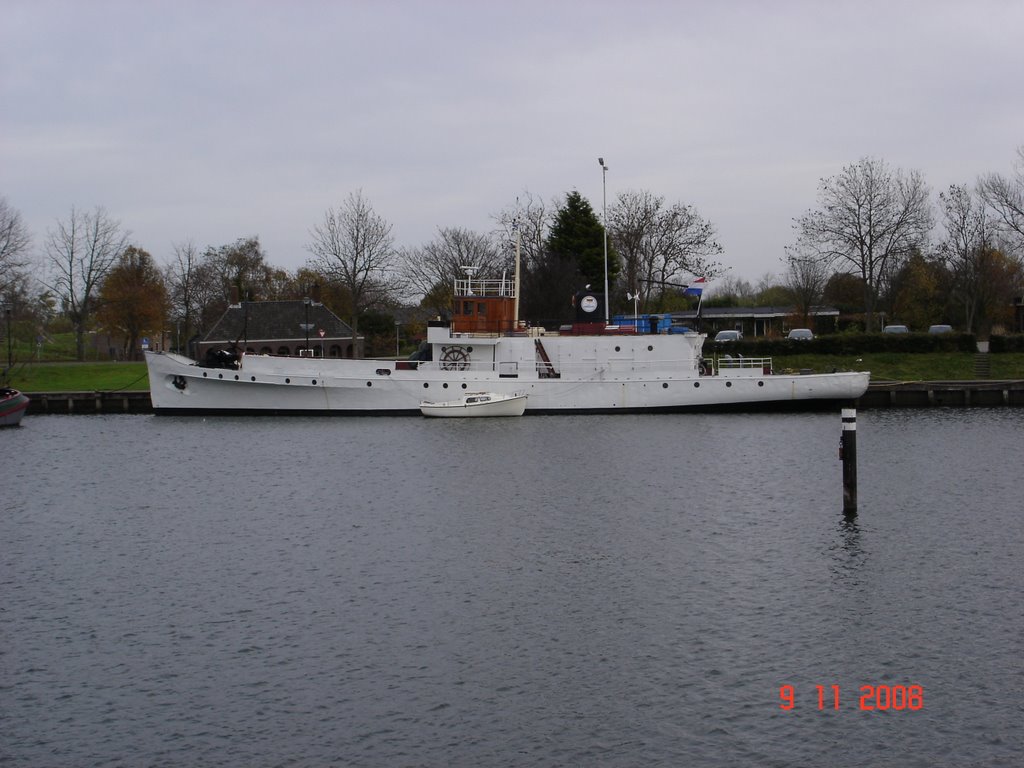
{"points": [[454, 359]]}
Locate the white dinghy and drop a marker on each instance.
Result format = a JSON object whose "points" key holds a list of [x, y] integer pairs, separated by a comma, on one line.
{"points": [[476, 404]]}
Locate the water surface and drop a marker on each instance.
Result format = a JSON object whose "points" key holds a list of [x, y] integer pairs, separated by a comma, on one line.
{"points": [[563, 590]]}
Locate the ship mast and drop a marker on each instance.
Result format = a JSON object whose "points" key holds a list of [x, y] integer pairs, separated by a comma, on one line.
{"points": [[515, 314]]}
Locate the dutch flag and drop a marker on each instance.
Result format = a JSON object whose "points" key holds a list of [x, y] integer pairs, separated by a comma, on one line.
{"points": [[696, 288]]}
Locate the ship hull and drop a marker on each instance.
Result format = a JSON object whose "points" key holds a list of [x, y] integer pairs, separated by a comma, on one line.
{"points": [[279, 385]]}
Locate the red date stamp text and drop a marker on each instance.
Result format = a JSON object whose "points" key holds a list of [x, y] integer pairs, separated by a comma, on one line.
{"points": [[898, 698]]}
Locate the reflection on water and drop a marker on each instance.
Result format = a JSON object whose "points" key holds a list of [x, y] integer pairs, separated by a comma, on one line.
{"points": [[848, 557], [553, 590]]}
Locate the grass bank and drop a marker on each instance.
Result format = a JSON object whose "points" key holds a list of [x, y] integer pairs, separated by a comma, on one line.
{"points": [[939, 366], [80, 377], [902, 366]]}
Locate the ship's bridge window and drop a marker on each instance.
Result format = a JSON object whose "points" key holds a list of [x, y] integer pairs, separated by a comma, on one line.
{"points": [[481, 308], [467, 307]]}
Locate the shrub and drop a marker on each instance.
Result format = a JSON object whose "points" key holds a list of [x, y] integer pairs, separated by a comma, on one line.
{"points": [[1013, 342]]}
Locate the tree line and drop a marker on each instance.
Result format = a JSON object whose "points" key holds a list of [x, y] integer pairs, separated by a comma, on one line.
{"points": [[92, 276], [869, 246], [872, 230]]}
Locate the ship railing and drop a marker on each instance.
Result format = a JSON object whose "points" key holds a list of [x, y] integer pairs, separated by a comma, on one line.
{"points": [[742, 366], [469, 287]]}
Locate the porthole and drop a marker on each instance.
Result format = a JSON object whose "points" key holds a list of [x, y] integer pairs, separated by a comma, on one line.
{"points": [[314, 382], [252, 378], [665, 385], [369, 383], [618, 349], [650, 348], [463, 386], [236, 377], [204, 374], [696, 385], [760, 383], [445, 385], [425, 385], [287, 381], [728, 383], [220, 375]]}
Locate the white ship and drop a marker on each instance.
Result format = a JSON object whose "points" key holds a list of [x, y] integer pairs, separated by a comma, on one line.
{"points": [[586, 367]]}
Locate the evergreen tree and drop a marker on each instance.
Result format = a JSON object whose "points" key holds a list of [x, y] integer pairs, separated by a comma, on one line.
{"points": [[577, 239]]}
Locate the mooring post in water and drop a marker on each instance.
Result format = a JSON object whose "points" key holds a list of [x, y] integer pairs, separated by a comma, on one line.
{"points": [[848, 454]]}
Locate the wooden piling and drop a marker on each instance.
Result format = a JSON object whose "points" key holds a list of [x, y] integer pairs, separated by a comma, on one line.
{"points": [[848, 454]]}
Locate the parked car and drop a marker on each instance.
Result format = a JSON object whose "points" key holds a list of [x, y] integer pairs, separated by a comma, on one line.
{"points": [[800, 334], [940, 329], [895, 329], [728, 336]]}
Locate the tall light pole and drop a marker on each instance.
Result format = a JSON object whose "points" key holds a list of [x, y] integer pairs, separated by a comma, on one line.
{"points": [[10, 356], [604, 223], [306, 324]]}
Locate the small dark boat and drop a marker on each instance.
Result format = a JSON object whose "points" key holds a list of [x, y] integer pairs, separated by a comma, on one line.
{"points": [[13, 405]]}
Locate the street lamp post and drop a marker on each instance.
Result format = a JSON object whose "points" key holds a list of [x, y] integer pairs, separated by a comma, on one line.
{"points": [[307, 302], [604, 216], [10, 355]]}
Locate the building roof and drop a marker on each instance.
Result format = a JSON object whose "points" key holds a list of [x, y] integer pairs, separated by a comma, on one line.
{"points": [[277, 321]]}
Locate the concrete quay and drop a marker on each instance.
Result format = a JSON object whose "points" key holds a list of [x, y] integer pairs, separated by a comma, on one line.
{"points": [[925, 394]]}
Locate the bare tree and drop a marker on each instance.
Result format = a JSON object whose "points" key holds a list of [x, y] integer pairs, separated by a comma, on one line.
{"points": [[15, 241], [1006, 197], [734, 291], [660, 244], [82, 250], [970, 233], [546, 282], [431, 269], [354, 246], [529, 221], [869, 217], [181, 276], [805, 278]]}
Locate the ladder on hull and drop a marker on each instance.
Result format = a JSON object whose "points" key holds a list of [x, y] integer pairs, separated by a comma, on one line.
{"points": [[545, 370]]}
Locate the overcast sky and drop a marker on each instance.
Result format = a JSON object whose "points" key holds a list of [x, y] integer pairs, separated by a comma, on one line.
{"points": [[211, 120]]}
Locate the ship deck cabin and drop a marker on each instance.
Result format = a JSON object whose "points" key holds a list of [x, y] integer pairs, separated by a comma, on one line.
{"points": [[484, 306]]}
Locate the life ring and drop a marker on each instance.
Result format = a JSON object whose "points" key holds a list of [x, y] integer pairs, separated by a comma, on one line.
{"points": [[454, 359]]}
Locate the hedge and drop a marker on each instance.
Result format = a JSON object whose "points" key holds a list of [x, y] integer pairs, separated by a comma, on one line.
{"points": [[1009, 343], [853, 344]]}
